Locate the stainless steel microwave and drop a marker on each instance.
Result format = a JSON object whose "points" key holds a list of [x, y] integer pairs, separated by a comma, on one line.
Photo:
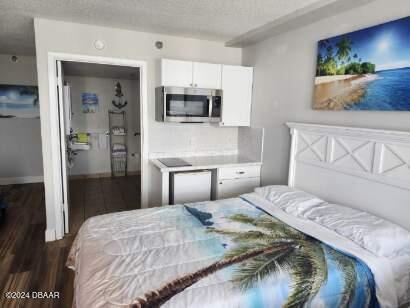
{"points": [[188, 105]]}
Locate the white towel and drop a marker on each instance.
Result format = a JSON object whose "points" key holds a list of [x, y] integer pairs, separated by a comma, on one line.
{"points": [[118, 147], [102, 140], [117, 130]]}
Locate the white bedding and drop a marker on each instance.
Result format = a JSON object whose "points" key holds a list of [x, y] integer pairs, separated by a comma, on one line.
{"points": [[378, 235], [107, 256]]}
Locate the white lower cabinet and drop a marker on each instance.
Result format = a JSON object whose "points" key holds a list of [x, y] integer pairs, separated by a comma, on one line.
{"points": [[235, 187], [234, 181]]}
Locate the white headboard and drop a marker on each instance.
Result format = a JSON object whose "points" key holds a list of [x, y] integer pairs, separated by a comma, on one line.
{"points": [[362, 168]]}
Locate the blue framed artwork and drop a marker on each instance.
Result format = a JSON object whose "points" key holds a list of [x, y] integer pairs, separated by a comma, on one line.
{"points": [[89, 102], [19, 101], [367, 69]]}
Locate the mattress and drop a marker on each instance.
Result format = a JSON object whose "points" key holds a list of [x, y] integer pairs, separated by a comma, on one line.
{"points": [[227, 253]]}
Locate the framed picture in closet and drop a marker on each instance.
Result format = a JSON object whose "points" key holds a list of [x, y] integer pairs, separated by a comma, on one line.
{"points": [[89, 102]]}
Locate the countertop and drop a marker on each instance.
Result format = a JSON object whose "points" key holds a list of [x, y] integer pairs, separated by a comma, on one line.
{"points": [[208, 162]]}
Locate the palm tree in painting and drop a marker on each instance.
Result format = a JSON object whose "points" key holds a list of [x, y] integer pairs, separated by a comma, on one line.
{"points": [[31, 91], [319, 64], [329, 52], [344, 47], [324, 43], [269, 247]]}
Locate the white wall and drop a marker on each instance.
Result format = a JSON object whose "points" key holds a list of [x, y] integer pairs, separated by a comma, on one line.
{"points": [[20, 139], [284, 78], [97, 159], [54, 36]]}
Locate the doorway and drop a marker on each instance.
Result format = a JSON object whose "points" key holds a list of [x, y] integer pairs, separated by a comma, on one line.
{"points": [[101, 134]]}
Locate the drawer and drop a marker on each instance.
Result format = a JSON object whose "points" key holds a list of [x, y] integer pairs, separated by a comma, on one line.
{"points": [[238, 172], [235, 187]]}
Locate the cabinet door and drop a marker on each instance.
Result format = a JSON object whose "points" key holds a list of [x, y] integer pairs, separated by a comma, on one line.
{"points": [[176, 73], [207, 75], [236, 187], [237, 95]]}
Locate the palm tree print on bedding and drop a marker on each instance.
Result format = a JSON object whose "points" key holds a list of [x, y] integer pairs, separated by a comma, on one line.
{"points": [[264, 247]]}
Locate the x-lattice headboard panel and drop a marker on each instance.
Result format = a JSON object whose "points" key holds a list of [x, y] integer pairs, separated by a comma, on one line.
{"points": [[367, 169]]}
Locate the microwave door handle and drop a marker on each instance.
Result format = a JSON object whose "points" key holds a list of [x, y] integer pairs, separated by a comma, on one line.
{"points": [[209, 99], [164, 102]]}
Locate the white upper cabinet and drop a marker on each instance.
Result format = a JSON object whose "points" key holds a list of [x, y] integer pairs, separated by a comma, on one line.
{"points": [[235, 81], [237, 84], [176, 73], [207, 75]]}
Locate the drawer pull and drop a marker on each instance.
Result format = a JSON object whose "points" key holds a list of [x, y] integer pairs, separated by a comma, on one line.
{"points": [[238, 172]]}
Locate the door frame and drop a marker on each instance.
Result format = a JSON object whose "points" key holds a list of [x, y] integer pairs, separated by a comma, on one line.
{"points": [[63, 146], [53, 57]]}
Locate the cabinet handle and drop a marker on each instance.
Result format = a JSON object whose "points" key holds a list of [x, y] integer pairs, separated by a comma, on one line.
{"points": [[240, 172], [196, 85], [220, 183], [191, 84]]}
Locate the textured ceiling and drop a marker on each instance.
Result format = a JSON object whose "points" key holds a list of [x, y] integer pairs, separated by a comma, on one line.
{"points": [[100, 70], [206, 19]]}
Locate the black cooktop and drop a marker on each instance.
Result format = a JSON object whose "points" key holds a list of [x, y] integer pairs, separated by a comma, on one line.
{"points": [[174, 162]]}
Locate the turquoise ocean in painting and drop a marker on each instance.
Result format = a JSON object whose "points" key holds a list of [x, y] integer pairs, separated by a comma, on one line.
{"points": [[389, 91]]}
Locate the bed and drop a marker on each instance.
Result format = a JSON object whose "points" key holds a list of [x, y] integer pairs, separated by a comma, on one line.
{"points": [[305, 244]]}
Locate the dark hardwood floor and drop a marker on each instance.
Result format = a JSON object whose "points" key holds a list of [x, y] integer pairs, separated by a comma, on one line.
{"points": [[27, 263]]}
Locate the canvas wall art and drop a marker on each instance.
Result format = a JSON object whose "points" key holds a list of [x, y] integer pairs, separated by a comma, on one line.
{"points": [[367, 69], [19, 101], [89, 102]]}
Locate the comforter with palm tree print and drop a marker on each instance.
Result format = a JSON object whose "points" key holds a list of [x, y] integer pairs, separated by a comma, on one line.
{"points": [[225, 253]]}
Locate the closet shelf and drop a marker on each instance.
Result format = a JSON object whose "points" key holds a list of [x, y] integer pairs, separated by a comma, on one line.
{"points": [[118, 131], [123, 134], [118, 151]]}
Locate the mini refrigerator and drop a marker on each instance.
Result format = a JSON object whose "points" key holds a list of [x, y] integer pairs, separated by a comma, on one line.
{"points": [[192, 186]]}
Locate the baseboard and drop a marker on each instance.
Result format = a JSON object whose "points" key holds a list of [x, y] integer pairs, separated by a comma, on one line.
{"points": [[50, 235], [21, 180], [90, 176], [99, 175]]}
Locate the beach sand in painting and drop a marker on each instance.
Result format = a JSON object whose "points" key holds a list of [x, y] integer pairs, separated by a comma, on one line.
{"points": [[339, 91]]}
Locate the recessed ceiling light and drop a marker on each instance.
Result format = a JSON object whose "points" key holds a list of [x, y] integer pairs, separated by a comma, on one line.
{"points": [[99, 44], [14, 59]]}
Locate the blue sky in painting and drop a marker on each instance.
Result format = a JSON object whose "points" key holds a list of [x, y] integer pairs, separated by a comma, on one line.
{"points": [[386, 45]]}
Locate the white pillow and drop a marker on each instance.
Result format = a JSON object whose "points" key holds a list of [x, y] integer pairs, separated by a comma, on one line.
{"points": [[381, 237], [292, 201], [377, 235]]}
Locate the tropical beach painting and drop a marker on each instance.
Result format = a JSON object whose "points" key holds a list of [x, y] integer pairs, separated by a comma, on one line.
{"points": [[19, 101], [367, 69]]}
